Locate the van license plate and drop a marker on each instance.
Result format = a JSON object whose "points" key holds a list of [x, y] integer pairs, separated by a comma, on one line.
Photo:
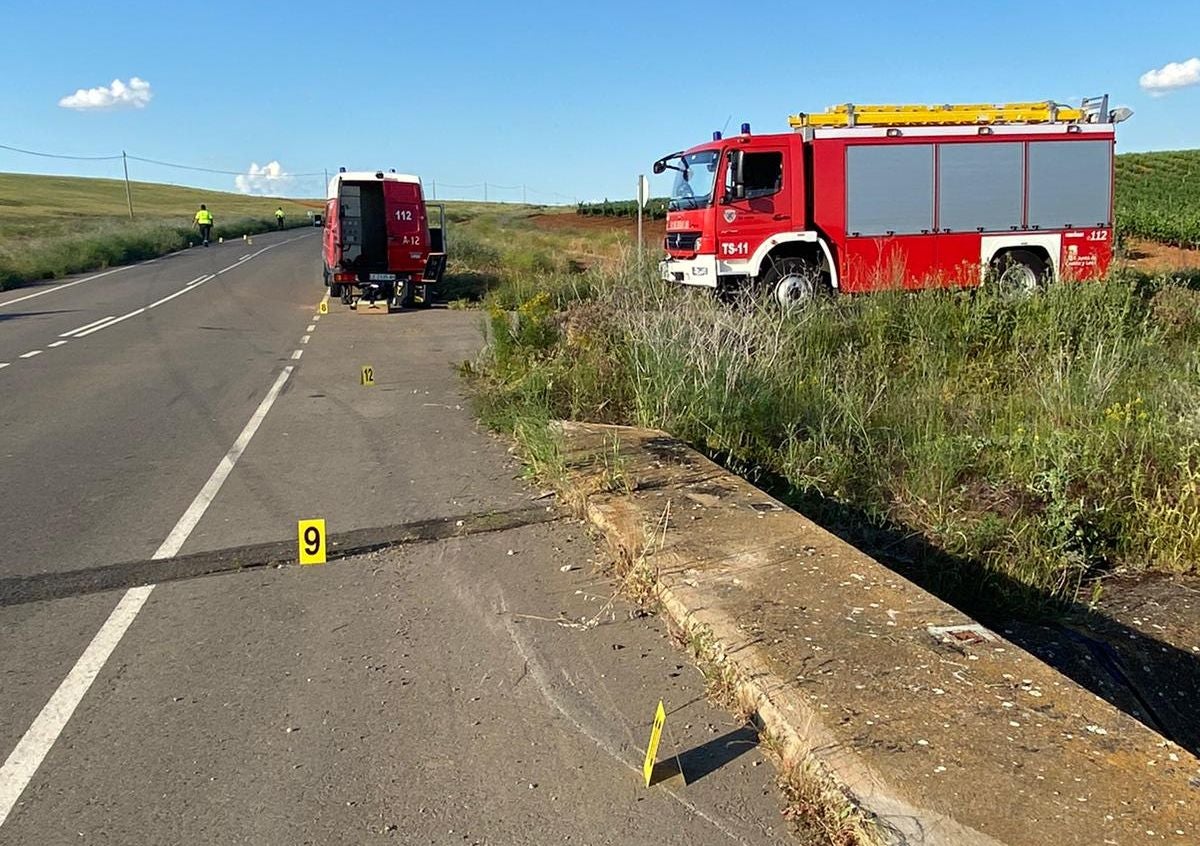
{"points": [[382, 277]]}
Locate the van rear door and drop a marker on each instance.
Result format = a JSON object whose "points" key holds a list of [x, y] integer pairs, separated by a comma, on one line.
{"points": [[406, 226]]}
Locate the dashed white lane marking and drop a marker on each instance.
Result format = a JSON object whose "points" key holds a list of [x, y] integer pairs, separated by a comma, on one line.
{"points": [[304, 340], [31, 750], [3, 364], [65, 285], [310, 327], [193, 285], [30, 354], [199, 278], [55, 344], [316, 318], [86, 326], [120, 319], [296, 354]]}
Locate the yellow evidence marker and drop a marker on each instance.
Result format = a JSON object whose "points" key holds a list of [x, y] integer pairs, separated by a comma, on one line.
{"points": [[660, 718], [367, 379], [323, 307], [312, 541]]}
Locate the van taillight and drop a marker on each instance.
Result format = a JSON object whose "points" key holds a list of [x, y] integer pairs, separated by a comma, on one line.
{"points": [[344, 277]]}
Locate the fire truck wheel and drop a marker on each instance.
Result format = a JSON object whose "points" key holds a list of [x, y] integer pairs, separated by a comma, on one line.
{"points": [[1019, 273], [792, 282], [335, 291]]}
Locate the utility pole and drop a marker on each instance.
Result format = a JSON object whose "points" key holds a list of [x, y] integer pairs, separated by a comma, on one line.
{"points": [[524, 201], [485, 192], [128, 193], [326, 182], [433, 189]]}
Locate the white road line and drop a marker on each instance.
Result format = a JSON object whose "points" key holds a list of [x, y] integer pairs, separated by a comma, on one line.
{"points": [[32, 353], [316, 318], [33, 747], [3, 364], [243, 258], [203, 499], [199, 278], [193, 285], [55, 344], [304, 340], [110, 323], [295, 355], [86, 326], [65, 285], [310, 327]]}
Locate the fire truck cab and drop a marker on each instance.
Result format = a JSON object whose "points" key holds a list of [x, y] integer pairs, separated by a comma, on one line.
{"points": [[861, 198]]}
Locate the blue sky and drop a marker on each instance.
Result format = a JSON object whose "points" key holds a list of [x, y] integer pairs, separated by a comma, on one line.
{"points": [[572, 100]]}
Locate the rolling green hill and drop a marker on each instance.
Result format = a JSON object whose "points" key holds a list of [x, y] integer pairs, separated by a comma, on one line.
{"points": [[54, 225]]}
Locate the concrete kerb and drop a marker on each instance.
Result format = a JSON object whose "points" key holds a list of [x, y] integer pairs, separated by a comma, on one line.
{"points": [[1082, 773]]}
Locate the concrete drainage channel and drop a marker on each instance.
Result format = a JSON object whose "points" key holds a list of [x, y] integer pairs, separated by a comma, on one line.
{"points": [[894, 717], [43, 586]]}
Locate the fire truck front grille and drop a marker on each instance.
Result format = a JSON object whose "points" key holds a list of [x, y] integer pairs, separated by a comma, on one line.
{"points": [[683, 241]]}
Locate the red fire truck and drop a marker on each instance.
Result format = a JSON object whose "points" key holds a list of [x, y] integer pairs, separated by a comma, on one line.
{"points": [[860, 198], [379, 245]]}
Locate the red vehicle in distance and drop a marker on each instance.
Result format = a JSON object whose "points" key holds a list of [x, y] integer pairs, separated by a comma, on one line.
{"points": [[861, 198]]}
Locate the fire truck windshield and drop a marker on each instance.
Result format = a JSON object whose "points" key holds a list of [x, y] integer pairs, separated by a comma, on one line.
{"points": [[694, 178]]}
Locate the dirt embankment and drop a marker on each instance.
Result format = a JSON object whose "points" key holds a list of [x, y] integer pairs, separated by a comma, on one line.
{"points": [[653, 231]]}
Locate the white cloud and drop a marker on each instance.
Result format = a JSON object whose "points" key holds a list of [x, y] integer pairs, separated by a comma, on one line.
{"points": [[271, 178], [134, 95], [1170, 76]]}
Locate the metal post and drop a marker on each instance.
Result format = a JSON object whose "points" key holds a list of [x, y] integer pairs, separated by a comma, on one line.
{"points": [[128, 193], [485, 192], [433, 189], [638, 195]]}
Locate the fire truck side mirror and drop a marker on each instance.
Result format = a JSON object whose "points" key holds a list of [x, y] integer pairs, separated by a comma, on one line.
{"points": [[660, 166]]}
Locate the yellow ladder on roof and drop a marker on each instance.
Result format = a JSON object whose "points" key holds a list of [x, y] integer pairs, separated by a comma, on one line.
{"points": [[957, 114]]}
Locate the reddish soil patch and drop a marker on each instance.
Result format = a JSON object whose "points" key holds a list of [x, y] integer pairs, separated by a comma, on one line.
{"points": [[652, 230], [1151, 256]]}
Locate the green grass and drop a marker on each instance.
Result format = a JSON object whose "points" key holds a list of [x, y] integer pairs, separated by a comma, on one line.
{"points": [[1158, 196], [1039, 444], [499, 249], [54, 225]]}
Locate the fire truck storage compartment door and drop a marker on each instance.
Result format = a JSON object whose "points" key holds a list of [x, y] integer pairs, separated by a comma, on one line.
{"points": [[980, 186], [1070, 184], [364, 232], [889, 189]]}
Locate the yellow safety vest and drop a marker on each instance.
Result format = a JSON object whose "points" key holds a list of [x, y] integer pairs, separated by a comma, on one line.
{"points": [[279, 213], [204, 216]]}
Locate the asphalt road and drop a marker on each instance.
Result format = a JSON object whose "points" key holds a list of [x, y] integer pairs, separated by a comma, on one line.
{"points": [[434, 692]]}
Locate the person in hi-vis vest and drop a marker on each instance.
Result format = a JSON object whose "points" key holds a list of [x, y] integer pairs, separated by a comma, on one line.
{"points": [[279, 217], [204, 221]]}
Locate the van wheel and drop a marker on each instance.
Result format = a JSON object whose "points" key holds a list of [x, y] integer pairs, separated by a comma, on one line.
{"points": [[399, 296], [1019, 273], [793, 282], [335, 290]]}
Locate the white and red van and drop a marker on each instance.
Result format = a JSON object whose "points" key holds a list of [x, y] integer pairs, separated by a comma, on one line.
{"points": [[379, 245]]}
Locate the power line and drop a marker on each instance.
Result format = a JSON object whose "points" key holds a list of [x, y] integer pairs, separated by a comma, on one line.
{"points": [[212, 170], [58, 156]]}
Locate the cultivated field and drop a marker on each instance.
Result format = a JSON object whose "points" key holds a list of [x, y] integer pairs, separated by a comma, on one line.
{"points": [[1158, 196]]}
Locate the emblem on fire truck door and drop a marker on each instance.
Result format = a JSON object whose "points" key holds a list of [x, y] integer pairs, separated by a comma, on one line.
{"points": [[730, 215]]}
